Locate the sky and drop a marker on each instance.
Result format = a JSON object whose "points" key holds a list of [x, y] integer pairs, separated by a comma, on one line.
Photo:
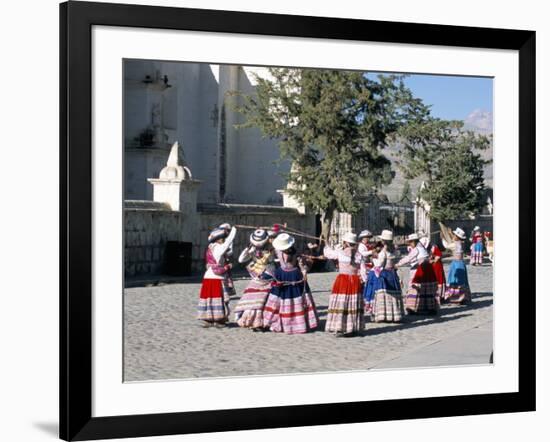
{"points": [[453, 97]]}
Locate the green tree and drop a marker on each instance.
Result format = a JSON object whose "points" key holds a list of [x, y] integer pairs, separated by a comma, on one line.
{"points": [[449, 159], [332, 125]]}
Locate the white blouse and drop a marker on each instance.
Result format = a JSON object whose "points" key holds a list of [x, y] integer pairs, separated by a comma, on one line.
{"points": [[218, 251]]}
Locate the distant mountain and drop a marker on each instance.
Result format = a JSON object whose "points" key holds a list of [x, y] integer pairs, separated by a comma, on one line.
{"points": [[479, 121]]}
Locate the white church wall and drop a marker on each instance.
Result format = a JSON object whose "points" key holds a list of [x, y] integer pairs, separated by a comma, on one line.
{"points": [[196, 133], [258, 170], [238, 166], [140, 164]]}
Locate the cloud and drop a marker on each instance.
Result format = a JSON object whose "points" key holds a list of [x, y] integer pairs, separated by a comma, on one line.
{"points": [[480, 120]]}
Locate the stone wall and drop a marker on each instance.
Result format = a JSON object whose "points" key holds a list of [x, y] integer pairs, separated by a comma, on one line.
{"points": [[148, 226], [250, 215]]}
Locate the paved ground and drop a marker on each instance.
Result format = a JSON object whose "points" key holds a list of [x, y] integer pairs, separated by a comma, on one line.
{"points": [[163, 340]]}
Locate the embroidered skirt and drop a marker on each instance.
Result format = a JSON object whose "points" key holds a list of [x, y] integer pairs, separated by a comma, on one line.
{"points": [[458, 287], [422, 291], [212, 306], [387, 303], [249, 309], [290, 307], [346, 308]]}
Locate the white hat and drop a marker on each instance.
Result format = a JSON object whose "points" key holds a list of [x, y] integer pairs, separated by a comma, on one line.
{"points": [[225, 226], [283, 242], [258, 237], [460, 233], [364, 234], [386, 235], [350, 238], [217, 234], [476, 228], [413, 237]]}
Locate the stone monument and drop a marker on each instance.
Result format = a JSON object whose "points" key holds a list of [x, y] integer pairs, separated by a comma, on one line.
{"points": [[175, 185]]}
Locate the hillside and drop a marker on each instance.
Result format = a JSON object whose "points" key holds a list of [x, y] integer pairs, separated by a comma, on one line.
{"points": [[479, 121]]}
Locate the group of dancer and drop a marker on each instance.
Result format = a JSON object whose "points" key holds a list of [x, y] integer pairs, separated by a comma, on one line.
{"points": [[278, 297]]}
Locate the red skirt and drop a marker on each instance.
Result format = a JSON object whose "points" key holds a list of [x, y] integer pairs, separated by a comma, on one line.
{"points": [[424, 273], [439, 272], [212, 306]]}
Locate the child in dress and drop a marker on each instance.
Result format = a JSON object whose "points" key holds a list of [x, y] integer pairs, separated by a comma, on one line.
{"points": [[346, 308], [458, 287], [261, 267], [213, 308], [421, 293], [289, 307]]}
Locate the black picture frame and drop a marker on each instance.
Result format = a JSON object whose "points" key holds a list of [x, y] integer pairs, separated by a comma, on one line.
{"points": [[76, 21]]}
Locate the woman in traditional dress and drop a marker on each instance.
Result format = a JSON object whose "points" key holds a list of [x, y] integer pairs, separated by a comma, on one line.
{"points": [[213, 308], [383, 284], [422, 289], [289, 307], [437, 264], [346, 307], [476, 249], [365, 249], [261, 267], [458, 288]]}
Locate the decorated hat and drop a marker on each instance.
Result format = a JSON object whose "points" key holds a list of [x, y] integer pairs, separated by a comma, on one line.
{"points": [[225, 226], [460, 233], [350, 238], [386, 235], [216, 234], [364, 234], [258, 237], [283, 242], [413, 237]]}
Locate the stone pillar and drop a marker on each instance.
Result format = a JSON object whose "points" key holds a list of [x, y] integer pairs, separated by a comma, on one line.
{"points": [[175, 185]]}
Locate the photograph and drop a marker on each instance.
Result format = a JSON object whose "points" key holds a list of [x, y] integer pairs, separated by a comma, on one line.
{"points": [[276, 221], [281, 220]]}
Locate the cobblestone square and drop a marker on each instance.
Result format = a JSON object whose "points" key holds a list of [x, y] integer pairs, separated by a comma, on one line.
{"points": [[163, 340]]}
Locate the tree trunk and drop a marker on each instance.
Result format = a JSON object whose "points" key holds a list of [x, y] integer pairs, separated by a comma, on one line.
{"points": [[326, 221]]}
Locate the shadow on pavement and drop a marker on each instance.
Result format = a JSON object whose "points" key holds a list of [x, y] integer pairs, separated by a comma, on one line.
{"points": [[453, 308], [411, 322]]}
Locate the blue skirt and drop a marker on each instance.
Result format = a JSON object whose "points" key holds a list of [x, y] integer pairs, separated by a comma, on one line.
{"points": [[387, 280], [478, 247], [458, 275], [289, 290]]}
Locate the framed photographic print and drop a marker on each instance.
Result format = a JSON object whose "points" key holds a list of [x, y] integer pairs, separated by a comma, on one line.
{"points": [[272, 220]]}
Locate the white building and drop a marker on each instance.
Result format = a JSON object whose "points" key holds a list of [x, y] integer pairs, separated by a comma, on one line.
{"points": [[187, 102]]}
